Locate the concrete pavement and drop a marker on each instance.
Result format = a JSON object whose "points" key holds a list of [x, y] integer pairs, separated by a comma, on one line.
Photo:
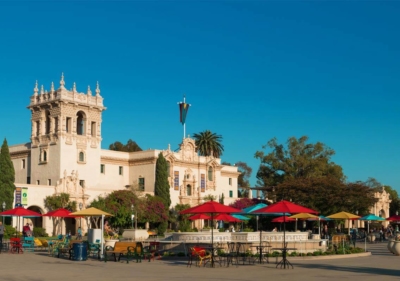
{"points": [[381, 265]]}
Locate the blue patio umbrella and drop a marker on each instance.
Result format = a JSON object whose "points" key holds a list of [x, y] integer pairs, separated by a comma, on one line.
{"points": [[241, 217], [370, 217]]}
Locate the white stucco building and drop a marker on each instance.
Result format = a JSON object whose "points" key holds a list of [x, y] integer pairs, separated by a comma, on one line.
{"points": [[65, 155]]}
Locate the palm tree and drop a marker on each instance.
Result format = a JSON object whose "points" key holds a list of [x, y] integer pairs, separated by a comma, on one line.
{"points": [[208, 144]]}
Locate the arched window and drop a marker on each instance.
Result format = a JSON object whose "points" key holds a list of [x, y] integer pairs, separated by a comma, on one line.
{"points": [[80, 123], [188, 190], [81, 157], [210, 173]]}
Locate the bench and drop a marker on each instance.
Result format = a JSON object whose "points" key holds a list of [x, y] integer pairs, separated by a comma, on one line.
{"points": [[120, 249]]}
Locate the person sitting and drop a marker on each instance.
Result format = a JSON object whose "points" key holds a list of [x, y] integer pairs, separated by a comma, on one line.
{"points": [[26, 230], [109, 231], [79, 236], [274, 230]]}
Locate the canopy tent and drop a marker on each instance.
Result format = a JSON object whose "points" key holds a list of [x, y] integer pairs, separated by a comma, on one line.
{"points": [[94, 212]]}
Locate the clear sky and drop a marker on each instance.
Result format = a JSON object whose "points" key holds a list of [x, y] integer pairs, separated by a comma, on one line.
{"points": [[252, 70]]}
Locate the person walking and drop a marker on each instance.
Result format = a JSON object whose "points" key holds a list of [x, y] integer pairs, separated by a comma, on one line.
{"points": [[1, 235]]}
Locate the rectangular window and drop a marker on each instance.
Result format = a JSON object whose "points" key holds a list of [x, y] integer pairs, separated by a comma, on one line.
{"points": [[230, 193], [141, 184], [121, 170], [28, 180], [102, 168], [93, 129], [37, 128], [82, 183], [38, 182], [23, 164], [55, 124], [49, 182], [230, 181], [68, 125]]}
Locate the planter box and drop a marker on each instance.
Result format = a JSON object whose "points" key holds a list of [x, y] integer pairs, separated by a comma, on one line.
{"points": [[135, 234]]}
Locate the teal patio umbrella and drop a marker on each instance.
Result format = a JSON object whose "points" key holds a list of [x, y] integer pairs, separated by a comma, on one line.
{"points": [[370, 217]]}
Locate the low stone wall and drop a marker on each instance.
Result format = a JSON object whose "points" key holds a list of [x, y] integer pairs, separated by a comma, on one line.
{"points": [[180, 241]]}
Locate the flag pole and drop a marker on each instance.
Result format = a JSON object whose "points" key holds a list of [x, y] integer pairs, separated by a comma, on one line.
{"points": [[183, 110], [184, 124]]}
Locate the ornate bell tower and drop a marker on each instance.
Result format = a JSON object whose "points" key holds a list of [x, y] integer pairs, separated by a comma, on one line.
{"points": [[66, 134]]}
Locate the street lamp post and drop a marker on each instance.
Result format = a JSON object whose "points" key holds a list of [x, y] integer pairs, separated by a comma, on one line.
{"points": [[134, 216], [80, 220], [357, 222], [4, 207]]}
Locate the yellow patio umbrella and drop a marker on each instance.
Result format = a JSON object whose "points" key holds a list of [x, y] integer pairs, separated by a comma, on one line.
{"points": [[344, 216], [303, 216], [94, 212]]}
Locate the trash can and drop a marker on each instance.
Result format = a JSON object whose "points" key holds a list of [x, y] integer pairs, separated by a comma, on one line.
{"points": [[80, 251]]}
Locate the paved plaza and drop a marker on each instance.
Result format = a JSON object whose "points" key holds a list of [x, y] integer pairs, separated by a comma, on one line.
{"points": [[39, 266]]}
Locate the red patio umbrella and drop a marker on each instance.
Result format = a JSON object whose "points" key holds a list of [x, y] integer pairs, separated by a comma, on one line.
{"points": [[60, 213], [211, 207], [393, 218], [199, 217], [20, 212], [226, 217], [283, 219], [285, 207]]}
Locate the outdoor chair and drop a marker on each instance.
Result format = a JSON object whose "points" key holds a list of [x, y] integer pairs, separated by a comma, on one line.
{"points": [[233, 253], [28, 244], [200, 255], [94, 248], [16, 245]]}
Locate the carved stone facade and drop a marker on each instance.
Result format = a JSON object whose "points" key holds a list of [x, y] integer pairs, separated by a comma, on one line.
{"points": [[65, 156]]}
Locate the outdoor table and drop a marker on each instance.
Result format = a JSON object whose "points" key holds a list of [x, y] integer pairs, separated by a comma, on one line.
{"points": [[284, 262], [261, 250], [211, 249]]}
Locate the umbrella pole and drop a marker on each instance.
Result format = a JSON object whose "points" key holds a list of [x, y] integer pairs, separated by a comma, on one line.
{"points": [[102, 236], [260, 246], [212, 239]]}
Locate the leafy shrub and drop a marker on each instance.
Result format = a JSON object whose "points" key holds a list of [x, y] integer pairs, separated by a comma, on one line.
{"points": [[162, 228], [247, 229], [39, 232], [181, 254], [9, 231], [293, 254]]}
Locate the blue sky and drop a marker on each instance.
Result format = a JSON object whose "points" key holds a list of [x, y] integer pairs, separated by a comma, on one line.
{"points": [[252, 70]]}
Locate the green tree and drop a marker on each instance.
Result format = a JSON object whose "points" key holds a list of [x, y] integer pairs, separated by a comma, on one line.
{"points": [[210, 197], [327, 195], [208, 144], [55, 202], [182, 220], [299, 160], [119, 203], [7, 176], [130, 146], [98, 203], [161, 183], [243, 179]]}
